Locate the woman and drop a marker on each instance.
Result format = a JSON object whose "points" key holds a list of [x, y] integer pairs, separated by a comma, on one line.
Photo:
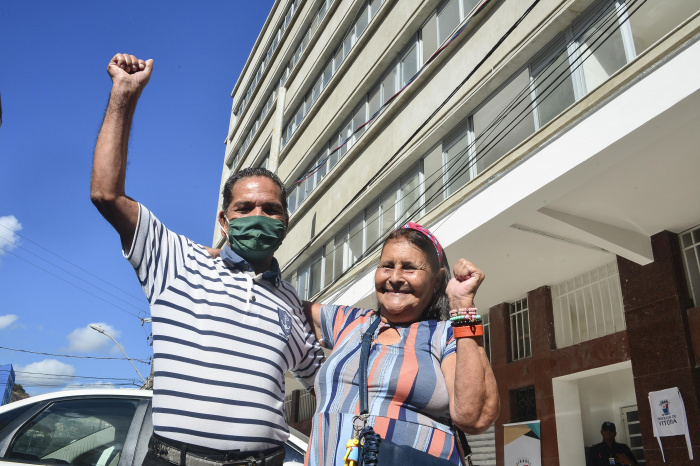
{"points": [[420, 376]]}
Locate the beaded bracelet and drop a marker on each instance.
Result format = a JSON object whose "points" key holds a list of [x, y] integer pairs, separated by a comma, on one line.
{"points": [[465, 331], [463, 311], [464, 316]]}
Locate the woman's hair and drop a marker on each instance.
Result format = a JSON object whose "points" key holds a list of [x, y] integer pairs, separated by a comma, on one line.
{"points": [[439, 306]]}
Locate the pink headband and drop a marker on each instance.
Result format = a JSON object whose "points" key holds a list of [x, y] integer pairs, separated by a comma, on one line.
{"points": [[429, 235]]}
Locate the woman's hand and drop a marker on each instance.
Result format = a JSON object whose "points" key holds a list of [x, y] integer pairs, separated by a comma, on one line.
{"points": [[463, 286]]}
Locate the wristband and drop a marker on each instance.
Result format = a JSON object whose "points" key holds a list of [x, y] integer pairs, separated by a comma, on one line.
{"points": [[466, 331]]}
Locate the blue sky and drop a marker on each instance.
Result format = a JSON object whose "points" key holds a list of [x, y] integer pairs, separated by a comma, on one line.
{"points": [[61, 267]]}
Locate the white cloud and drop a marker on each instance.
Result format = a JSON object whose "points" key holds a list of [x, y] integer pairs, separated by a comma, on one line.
{"points": [[44, 374], [9, 226], [87, 340], [97, 385], [7, 320]]}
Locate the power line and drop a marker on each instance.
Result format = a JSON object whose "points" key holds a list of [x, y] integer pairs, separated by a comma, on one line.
{"points": [[70, 376], [323, 161], [82, 385], [138, 298], [483, 142], [144, 361], [423, 124], [73, 284]]}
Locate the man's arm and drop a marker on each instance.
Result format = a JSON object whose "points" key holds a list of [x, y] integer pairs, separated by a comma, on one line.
{"points": [[129, 77]]}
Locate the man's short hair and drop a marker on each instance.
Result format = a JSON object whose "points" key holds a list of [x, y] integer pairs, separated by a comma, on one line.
{"points": [[251, 172], [609, 426]]}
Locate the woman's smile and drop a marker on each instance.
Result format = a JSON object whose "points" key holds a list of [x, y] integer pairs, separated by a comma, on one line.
{"points": [[404, 282]]}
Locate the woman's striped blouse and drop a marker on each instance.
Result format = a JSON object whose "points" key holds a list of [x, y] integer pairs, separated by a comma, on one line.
{"points": [[408, 399]]}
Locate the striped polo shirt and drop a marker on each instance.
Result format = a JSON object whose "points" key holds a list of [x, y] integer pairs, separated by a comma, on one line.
{"points": [[223, 338], [407, 399]]}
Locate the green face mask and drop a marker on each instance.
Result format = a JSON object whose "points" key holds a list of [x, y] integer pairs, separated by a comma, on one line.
{"points": [[256, 237]]}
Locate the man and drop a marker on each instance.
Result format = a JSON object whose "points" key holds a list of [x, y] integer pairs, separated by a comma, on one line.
{"points": [[225, 329], [609, 452]]}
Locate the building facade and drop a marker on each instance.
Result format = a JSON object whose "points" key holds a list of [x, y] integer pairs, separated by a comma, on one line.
{"points": [[7, 383], [554, 143]]}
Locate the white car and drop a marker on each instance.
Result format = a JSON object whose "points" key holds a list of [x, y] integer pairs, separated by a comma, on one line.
{"points": [[89, 428]]}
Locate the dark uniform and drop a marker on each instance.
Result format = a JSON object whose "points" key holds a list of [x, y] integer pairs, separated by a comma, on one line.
{"points": [[600, 454]]}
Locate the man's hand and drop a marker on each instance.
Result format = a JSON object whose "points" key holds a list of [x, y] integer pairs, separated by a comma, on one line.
{"points": [[129, 73], [624, 459], [129, 77]]}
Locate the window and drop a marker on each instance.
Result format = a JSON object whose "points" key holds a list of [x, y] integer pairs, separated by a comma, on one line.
{"points": [[410, 197], [520, 330], [339, 254], [524, 405], [430, 37], [458, 164], [503, 122], [633, 431], [690, 246], [85, 432], [374, 101], [355, 242], [359, 119], [302, 285], [468, 6], [292, 200], [553, 85], [374, 6], [388, 212], [433, 178], [8, 417], [409, 65], [362, 21], [389, 86], [601, 50], [372, 230], [328, 263], [343, 135], [588, 306], [448, 19], [315, 278], [650, 21]]}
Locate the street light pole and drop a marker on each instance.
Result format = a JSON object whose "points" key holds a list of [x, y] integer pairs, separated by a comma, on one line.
{"points": [[97, 328]]}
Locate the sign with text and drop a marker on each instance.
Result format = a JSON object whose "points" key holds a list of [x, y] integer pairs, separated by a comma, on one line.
{"points": [[668, 417], [521, 442]]}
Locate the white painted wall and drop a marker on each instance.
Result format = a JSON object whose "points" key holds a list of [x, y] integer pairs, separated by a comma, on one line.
{"points": [[567, 406], [602, 397], [583, 401]]}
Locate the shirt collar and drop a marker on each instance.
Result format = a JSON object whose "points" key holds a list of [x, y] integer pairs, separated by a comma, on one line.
{"points": [[230, 258]]}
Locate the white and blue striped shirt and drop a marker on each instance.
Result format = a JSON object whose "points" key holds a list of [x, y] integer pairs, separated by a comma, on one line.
{"points": [[223, 338]]}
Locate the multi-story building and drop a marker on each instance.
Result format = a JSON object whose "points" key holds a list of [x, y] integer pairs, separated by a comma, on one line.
{"points": [[7, 382], [554, 143]]}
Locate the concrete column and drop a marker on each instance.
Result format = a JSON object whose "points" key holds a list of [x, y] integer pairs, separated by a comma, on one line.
{"points": [[500, 349], [655, 299], [277, 121], [542, 341]]}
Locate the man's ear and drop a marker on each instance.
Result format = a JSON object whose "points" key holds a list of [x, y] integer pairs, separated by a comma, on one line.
{"points": [[222, 220]]}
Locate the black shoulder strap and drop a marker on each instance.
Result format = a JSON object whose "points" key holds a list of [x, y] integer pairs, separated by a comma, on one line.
{"points": [[364, 362]]}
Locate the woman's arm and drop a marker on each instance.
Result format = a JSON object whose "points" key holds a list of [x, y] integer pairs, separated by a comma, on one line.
{"points": [[471, 385], [313, 316]]}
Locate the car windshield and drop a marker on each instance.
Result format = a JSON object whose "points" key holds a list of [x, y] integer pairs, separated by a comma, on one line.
{"points": [[8, 417], [81, 432]]}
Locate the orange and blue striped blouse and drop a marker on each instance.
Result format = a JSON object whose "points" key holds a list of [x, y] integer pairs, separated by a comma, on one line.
{"points": [[407, 396]]}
